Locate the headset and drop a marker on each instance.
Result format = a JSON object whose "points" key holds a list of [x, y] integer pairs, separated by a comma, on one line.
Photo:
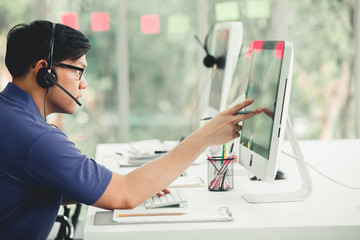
{"points": [[209, 60], [46, 76]]}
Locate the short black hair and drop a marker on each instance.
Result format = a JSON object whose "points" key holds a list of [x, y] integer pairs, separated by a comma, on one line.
{"points": [[29, 43]]}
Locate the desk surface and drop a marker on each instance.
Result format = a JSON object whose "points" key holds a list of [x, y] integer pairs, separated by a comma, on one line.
{"points": [[331, 212]]}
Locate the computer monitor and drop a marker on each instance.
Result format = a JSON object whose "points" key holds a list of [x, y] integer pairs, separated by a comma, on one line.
{"points": [[269, 85], [225, 44]]}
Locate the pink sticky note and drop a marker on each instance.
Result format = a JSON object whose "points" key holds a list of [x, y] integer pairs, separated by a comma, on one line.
{"points": [[279, 50], [70, 19], [100, 21], [250, 49], [258, 46], [150, 24]]}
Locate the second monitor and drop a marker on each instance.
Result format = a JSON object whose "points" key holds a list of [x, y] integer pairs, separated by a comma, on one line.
{"points": [[225, 46]]}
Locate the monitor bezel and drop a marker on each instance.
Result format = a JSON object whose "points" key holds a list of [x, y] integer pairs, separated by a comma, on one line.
{"points": [[262, 168]]}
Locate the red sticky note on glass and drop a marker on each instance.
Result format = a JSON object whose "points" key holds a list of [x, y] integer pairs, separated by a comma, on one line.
{"points": [[100, 21], [70, 19], [150, 24], [279, 50], [258, 46], [250, 49]]}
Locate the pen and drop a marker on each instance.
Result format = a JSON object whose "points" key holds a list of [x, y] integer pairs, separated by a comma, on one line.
{"points": [[223, 152], [149, 214], [231, 148], [238, 113], [223, 180], [159, 152]]}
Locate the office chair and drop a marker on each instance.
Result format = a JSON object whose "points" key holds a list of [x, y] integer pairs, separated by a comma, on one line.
{"points": [[68, 224], [66, 230]]}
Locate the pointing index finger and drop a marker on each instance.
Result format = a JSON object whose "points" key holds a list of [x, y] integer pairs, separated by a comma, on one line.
{"points": [[254, 112], [234, 110]]}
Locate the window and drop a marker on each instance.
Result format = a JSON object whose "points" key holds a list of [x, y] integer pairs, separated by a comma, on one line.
{"points": [[163, 69]]}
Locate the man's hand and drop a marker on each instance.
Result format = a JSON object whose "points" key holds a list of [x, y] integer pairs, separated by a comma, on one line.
{"points": [[164, 191], [225, 126]]}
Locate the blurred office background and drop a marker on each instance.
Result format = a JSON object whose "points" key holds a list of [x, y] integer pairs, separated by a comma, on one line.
{"points": [[146, 77], [145, 73]]}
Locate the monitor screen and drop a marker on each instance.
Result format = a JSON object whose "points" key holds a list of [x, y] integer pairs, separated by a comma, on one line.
{"points": [[221, 48], [240, 77], [263, 86]]}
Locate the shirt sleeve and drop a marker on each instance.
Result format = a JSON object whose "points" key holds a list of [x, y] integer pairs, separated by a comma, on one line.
{"points": [[53, 162]]}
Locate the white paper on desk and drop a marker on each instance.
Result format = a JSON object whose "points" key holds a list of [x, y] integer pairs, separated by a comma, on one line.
{"points": [[191, 215], [145, 146], [184, 182], [148, 147]]}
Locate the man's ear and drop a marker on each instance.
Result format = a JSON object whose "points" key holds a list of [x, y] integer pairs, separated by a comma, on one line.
{"points": [[39, 64]]}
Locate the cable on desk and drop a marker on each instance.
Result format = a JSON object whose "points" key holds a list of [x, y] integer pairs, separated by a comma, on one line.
{"points": [[322, 174]]}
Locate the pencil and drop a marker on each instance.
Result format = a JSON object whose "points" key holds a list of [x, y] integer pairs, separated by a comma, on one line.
{"points": [[251, 143], [150, 214], [223, 150], [238, 113]]}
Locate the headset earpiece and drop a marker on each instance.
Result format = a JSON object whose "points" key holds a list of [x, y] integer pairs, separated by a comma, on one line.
{"points": [[220, 62], [210, 61], [44, 78]]}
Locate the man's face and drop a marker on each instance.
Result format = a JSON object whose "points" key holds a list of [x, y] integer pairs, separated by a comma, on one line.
{"points": [[58, 101]]}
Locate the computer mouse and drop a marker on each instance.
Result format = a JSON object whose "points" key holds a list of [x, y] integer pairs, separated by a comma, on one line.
{"points": [[280, 175]]}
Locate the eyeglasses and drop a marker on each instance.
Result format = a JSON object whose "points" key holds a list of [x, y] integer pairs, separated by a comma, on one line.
{"points": [[63, 65]]}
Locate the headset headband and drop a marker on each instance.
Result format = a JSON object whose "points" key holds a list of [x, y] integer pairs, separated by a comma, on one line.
{"points": [[51, 47]]}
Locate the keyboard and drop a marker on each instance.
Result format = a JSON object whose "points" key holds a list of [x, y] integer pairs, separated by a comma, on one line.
{"points": [[176, 198]]}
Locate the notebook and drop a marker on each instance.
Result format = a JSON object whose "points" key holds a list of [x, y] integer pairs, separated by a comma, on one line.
{"points": [[181, 215]]}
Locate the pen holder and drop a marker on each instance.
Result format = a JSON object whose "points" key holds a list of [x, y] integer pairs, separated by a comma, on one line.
{"points": [[220, 173]]}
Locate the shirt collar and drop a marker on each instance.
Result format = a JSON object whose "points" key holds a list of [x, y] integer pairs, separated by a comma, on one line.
{"points": [[16, 94]]}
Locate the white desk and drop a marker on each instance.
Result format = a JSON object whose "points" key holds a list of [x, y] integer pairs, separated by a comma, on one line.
{"points": [[331, 212]]}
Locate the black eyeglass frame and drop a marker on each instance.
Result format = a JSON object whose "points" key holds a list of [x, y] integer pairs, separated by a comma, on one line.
{"points": [[63, 65]]}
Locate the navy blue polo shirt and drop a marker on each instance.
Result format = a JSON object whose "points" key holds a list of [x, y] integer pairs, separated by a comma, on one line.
{"points": [[38, 167]]}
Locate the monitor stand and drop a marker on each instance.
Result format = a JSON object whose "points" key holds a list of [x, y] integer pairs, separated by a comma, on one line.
{"points": [[306, 187]]}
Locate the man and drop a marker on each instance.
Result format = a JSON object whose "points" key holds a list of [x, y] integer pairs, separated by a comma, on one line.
{"points": [[40, 168]]}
